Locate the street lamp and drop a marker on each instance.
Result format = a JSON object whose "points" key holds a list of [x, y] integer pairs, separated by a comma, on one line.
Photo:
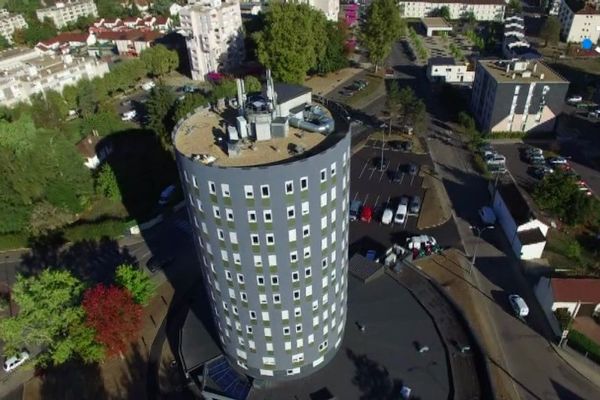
{"points": [[479, 232]]}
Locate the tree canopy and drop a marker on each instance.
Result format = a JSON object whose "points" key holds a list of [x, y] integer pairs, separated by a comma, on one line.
{"points": [[50, 317], [334, 57], [160, 108], [291, 41], [382, 27], [159, 60], [550, 31], [112, 313], [137, 281]]}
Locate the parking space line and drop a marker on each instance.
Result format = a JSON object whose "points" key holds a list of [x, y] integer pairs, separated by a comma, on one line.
{"points": [[376, 201], [372, 172], [355, 196], [363, 169], [387, 203], [382, 174], [366, 198], [412, 180]]}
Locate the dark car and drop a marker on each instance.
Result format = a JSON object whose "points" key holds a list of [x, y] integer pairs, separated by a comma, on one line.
{"points": [[156, 263], [380, 163], [412, 169], [395, 145], [407, 145], [397, 176], [415, 205]]}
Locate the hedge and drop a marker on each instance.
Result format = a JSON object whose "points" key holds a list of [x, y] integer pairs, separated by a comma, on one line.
{"points": [[584, 344]]}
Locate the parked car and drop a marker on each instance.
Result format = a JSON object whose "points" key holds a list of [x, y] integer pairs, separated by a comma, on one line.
{"points": [[496, 159], [128, 115], [16, 361], [574, 99], [533, 151], [386, 217], [537, 160], [412, 169], [381, 163], [415, 205], [541, 171], [401, 211], [407, 146], [487, 215], [366, 214], [416, 242], [558, 161], [355, 207], [518, 305], [156, 263]]}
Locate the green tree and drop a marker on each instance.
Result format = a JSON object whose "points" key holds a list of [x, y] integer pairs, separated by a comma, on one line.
{"points": [[107, 184], [559, 194], [469, 18], [160, 107], [466, 121], [187, 105], [393, 100], [382, 27], [25, 7], [87, 98], [291, 41], [161, 7], [110, 8], [334, 57], [18, 136], [550, 31], [514, 6], [38, 31], [48, 109], [4, 43], [50, 316], [69, 94], [137, 282], [46, 218], [226, 88], [252, 84], [443, 12], [159, 60]]}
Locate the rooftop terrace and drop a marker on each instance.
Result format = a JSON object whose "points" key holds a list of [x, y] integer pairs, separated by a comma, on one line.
{"points": [[204, 133]]}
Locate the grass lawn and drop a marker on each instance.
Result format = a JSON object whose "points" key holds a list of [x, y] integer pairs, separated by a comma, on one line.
{"points": [[368, 94], [561, 252]]}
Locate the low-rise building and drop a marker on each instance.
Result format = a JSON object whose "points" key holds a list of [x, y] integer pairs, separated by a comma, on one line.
{"points": [[94, 149], [435, 24], [10, 23], [447, 70], [214, 38], [579, 20], [524, 231], [517, 96], [483, 10], [63, 13], [127, 43], [149, 23], [24, 72], [65, 43]]}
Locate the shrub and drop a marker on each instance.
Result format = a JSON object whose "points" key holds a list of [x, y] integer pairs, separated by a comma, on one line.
{"points": [[584, 345]]}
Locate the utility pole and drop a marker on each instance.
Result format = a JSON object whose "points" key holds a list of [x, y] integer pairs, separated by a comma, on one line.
{"points": [[479, 232]]}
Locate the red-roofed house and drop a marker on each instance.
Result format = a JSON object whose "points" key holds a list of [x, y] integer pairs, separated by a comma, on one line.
{"points": [[578, 296], [130, 43], [64, 43]]}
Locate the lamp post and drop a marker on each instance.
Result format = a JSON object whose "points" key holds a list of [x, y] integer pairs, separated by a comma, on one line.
{"points": [[479, 232]]}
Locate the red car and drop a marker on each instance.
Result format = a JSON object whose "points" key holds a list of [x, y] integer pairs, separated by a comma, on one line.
{"points": [[366, 215]]}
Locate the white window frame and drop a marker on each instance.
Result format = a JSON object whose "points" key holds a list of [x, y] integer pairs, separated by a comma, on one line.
{"points": [[255, 239], [212, 188], [294, 256], [305, 207], [306, 231], [289, 187], [225, 190], [229, 214], [292, 235], [275, 280], [262, 188], [269, 214], [252, 216], [332, 168], [249, 191], [270, 239], [260, 278], [276, 298], [323, 175], [240, 279], [217, 212]]}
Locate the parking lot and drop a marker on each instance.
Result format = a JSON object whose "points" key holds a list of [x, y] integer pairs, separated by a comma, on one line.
{"points": [[521, 170], [376, 189]]}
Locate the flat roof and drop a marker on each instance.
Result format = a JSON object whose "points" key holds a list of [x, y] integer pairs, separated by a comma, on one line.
{"points": [[531, 236], [497, 69], [442, 61], [197, 135], [586, 290], [515, 202], [435, 22], [488, 2]]}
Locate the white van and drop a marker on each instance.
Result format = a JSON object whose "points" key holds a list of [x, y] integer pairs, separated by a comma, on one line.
{"points": [[518, 305], [401, 211], [387, 216]]}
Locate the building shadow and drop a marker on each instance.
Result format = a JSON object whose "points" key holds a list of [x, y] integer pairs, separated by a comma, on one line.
{"points": [[73, 381]]}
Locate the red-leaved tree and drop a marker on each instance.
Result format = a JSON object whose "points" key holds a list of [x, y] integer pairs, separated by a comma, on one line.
{"points": [[115, 316]]}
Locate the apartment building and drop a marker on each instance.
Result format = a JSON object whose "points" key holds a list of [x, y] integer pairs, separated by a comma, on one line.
{"points": [[269, 216], [447, 70], [483, 10], [331, 8], [63, 13], [516, 96], [24, 72], [579, 20], [214, 38], [10, 23]]}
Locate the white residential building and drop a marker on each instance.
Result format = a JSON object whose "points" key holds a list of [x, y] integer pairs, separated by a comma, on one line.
{"points": [[214, 38], [24, 72], [579, 21], [331, 8], [63, 13], [10, 23], [484, 10], [445, 69]]}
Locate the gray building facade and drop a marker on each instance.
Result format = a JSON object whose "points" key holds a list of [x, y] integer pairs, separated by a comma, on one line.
{"points": [[517, 96], [273, 246]]}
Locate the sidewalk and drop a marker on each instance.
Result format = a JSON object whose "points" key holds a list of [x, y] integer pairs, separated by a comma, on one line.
{"points": [[585, 367]]}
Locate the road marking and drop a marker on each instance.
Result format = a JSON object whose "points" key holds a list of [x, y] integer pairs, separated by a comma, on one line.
{"points": [[355, 195], [365, 202], [412, 180], [376, 201], [382, 174], [387, 203], [372, 172], [363, 169]]}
